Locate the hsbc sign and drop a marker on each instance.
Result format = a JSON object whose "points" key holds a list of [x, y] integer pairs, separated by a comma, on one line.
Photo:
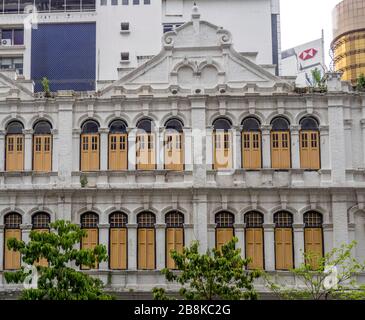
{"points": [[308, 54]]}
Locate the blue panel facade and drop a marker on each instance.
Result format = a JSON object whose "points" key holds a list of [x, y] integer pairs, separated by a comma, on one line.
{"points": [[65, 54]]}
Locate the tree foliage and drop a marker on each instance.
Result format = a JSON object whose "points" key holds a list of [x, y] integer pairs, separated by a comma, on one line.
{"points": [[312, 281], [213, 275], [59, 280], [360, 86], [318, 82]]}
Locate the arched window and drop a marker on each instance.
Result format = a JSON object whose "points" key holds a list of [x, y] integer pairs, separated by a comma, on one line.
{"points": [[280, 144], [40, 223], [145, 146], [174, 145], [222, 140], [146, 241], [313, 237], [284, 240], [309, 144], [12, 222], [118, 241], [251, 144], [90, 146], [89, 222], [42, 147], [224, 228], [118, 145], [14, 159], [174, 236], [254, 236]]}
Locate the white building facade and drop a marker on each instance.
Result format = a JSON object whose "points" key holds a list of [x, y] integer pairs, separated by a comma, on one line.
{"points": [[202, 83]]}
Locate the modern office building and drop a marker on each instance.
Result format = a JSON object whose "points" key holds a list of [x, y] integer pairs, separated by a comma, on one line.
{"points": [[199, 143], [76, 44], [349, 39]]}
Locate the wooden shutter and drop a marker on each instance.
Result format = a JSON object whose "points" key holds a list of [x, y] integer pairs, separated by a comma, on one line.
{"points": [[222, 150], [14, 152], [43, 261], [314, 245], [224, 235], [42, 153], [90, 241], [174, 241], [89, 152], [118, 248], [146, 249], [118, 151], [12, 258], [146, 154], [284, 248], [255, 248], [174, 151], [309, 150], [280, 150], [251, 150]]}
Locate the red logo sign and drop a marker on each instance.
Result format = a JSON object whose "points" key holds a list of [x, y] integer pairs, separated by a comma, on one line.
{"points": [[308, 54]]}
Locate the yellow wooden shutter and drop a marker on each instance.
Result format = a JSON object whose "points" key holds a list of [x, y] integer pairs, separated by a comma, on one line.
{"points": [[314, 245], [255, 248], [251, 150], [11, 258], [309, 150], [15, 152], [43, 261], [42, 153], [174, 152], [118, 248], [90, 241], [222, 142], [89, 152], [118, 153], [280, 150], [146, 249], [224, 235], [146, 156], [284, 248], [174, 241]]}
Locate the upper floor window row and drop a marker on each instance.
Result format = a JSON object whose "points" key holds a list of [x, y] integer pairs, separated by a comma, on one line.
{"points": [[124, 2]]}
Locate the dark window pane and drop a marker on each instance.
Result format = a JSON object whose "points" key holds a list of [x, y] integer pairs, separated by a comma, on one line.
{"points": [[42, 127], [147, 1], [88, 5], [14, 127], [7, 35], [222, 124], [18, 37], [11, 6], [73, 5], [114, 2], [25, 4], [135, 1], [280, 124], [42, 5], [125, 2], [90, 127], [57, 5]]}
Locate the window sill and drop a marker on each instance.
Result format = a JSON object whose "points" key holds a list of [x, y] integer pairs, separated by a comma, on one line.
{"points": [[125, 31], [125, 61]]}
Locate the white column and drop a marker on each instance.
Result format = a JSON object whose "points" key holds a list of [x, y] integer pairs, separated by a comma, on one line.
{"points": [[237, 150], [266, 147], [209, 148], [76, 150], [188, 149], [2, 151], [2, 247], [328, 237], [348, 144], [295, 157], [28, 149], [160, 155], [269, 240], [103, 148], [55, 151], [200, 219], [239, 232], [160, 246], [298, 244], [188, 234], [325, 148], [25, 230], [104, 240], [363, 141], [132, 149], [132, 246], [340, 220]]}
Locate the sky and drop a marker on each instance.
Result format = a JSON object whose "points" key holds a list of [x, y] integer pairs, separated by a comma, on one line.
{"points": [[303, 20]]}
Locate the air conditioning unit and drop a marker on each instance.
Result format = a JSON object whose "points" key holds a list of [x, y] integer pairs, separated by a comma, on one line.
{"points": [[6, 42]]}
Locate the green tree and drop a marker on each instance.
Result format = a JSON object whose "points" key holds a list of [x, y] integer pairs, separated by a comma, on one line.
{"points": [[361, 83], [313, 281], [213, 275], [45, 85], [318, 81], [58, 280]]}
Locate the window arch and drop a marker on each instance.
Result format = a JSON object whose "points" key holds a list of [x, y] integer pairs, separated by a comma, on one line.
{"points": [[254, 239], [12, 222], [284, 240], [222, 140], [174, 145], [90, 146], [174, 236], [41, 223], [118, 246], [42, 146], [118, 145], [224, 228], [146, 241], [14, 158], [313, 237], [280, 144], [89, 223], [309, 144], [145, 145], [251, 144]]}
